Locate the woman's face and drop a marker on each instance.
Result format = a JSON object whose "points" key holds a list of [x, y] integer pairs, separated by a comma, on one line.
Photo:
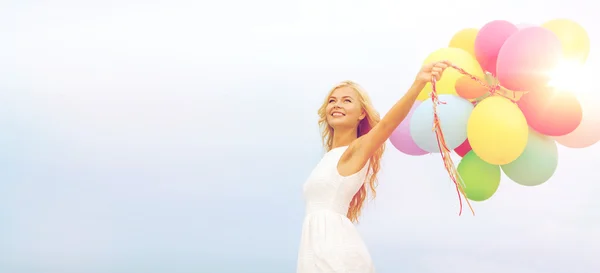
{"points": [[344, 108]]}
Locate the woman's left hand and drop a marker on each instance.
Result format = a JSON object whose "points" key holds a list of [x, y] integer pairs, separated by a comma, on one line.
{"points": [[432, 70]]}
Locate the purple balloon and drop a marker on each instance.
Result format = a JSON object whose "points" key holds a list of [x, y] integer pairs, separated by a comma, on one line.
{"points": [[489, 40], [401, 138], [527, 59]]}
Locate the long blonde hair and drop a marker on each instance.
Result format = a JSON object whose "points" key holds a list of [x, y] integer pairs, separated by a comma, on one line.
{"points": [[371, 119]]}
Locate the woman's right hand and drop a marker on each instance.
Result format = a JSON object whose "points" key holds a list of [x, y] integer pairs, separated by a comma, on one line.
{"points": [[432, 70]]}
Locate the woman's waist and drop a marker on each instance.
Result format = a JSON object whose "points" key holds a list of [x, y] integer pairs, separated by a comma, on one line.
{"points": [[326, 207]]}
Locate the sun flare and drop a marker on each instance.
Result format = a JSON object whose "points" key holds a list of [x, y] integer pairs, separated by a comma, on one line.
{"points": [[572, 76]]}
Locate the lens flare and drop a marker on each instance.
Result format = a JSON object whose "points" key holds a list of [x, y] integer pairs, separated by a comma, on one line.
{"points": [[572, 76]]}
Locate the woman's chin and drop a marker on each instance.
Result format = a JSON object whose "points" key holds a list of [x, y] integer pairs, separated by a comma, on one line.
{"points": [[339, 123]]}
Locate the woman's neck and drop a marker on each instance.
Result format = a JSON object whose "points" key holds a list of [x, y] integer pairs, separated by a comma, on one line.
{"points": [[343, 137]]}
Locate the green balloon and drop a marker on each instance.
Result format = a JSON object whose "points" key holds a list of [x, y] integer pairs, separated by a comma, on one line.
{"points": [[536, 164], [481, 179]]}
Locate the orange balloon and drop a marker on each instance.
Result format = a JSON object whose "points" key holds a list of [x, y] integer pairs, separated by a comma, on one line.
{"points": [[469, 88]]}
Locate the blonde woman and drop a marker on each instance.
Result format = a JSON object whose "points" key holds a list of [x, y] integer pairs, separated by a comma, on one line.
{"points": [[336, 190]]}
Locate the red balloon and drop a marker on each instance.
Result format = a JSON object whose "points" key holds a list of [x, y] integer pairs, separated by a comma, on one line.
{"points": [[489, 40], [527, 59], [551, 112], [463, 149]]}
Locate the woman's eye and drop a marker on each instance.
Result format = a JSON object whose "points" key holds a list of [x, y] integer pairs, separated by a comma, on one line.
{"points": [[330, 101], [347, 100]]}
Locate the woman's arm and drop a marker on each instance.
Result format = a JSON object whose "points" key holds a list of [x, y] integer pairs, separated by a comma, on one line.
{"points": [[370, 142], [382, 131]]}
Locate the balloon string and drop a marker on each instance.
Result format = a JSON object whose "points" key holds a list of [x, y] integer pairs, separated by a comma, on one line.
{"points": [[493, 89], [445, 152]]}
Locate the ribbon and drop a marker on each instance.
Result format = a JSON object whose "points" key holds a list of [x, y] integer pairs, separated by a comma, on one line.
{"points": [[494, 89]]}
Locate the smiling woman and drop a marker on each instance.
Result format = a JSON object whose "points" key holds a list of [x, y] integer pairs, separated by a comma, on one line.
{"points": [[349, 109], [336, 190]]}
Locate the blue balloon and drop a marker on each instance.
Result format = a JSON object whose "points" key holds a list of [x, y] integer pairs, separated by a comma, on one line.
{"points": [[454, 115]]}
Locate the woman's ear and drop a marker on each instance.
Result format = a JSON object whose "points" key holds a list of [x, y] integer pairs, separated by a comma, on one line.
{"points": [[362, 115]]}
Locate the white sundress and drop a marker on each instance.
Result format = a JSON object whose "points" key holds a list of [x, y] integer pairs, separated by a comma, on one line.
{"points": [[330, 242]]}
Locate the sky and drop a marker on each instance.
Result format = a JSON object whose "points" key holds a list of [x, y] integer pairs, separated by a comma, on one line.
{"points": [[175, 136]]}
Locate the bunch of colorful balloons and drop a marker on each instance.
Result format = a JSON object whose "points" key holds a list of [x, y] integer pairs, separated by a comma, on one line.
{"points": [[503, 112]]}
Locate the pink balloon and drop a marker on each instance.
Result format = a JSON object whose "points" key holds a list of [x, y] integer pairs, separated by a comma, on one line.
{"points": [[527, 58], [401, 138], [489, 40], [588, 131]]}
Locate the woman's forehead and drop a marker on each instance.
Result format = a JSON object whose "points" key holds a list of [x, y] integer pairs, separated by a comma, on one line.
{"points": [[344, 91]]}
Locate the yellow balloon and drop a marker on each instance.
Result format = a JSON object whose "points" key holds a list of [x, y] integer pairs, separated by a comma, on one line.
{"points": [[465, 40], [573, 37], [497, 130], [458, 57]]}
